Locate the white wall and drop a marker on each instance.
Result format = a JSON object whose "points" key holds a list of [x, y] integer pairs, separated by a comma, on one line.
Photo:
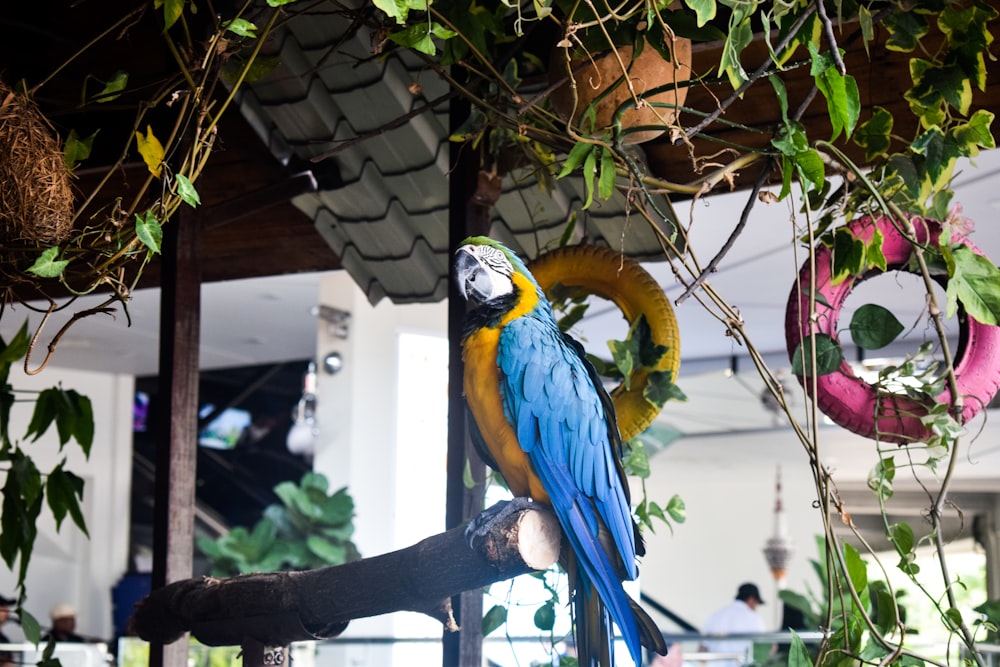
{"points": [[66, 566], [730, 509], [727, 482], [356, 411]]}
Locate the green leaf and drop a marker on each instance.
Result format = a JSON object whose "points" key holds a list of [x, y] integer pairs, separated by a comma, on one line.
{"points": [[149, 231], [976, 284], [417, 37], [703, 9], [47, 266], [172, 10], [626, 356], [241, 27], [791, 139], [881, 477], [874, 135], [738, 38], [576, 157], [975, 134], [80, 420], [811, 168], [904, 167], [76, 149], [874, 257], [112, 90], [47, 407], [857, 569], [636, 459], [677, 509], [650, 352], [332, 554], [940, 152], [29, 624], [494, 618], [905, 30], [781, 94], [17, 347], [589, 170], [22, 504], [885, 608], [873, 327], [186, 191], [849, 256], [64, 491], [606, 181], [660, 388], [828, 356], [935, 87], [872, 652], [545, 617], [902, 537], [394, 9], [991, 610], [954, 618], [841, 92], [867, 26]]}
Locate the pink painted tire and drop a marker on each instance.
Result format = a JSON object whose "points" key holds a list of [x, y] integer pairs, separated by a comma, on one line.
{"points": [[850, 401]]}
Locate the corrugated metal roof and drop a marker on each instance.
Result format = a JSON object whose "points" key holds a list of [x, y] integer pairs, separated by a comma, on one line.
{"points": [[388, 220]]}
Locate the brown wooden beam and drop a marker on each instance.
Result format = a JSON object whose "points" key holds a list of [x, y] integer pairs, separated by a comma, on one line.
{"points": [[176, 449], [468, 214]]}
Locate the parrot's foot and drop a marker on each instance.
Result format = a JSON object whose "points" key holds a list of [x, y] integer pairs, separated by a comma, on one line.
{"points": [[490, 517]]}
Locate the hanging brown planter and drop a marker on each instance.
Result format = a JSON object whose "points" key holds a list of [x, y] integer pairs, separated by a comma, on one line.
{"points": [[36, 201], [598, 73]]}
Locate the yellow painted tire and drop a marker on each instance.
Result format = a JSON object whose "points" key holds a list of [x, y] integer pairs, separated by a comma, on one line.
{"points": [[610, 275]]}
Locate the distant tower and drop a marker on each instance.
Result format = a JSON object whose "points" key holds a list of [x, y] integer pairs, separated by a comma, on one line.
{"points": [[778, 549]]}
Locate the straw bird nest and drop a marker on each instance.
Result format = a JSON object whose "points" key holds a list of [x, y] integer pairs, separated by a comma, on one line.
{"points": [[36, 201]]}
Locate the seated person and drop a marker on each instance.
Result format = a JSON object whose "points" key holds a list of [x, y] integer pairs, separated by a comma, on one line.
{"points": [[63, 618]]}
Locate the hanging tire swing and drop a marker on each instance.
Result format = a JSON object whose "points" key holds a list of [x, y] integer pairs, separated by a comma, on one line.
{"points": [[852, 402], [610, 275]]}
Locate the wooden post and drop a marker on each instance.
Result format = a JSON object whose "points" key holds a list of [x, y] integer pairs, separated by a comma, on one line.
{"points": [[469, 213], [176, 448]]}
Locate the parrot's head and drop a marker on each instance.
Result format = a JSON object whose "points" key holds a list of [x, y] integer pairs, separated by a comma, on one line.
{"points": [[485, 270]]}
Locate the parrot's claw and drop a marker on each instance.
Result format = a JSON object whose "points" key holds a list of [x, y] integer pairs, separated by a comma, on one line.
{"points": [[492, 516]]}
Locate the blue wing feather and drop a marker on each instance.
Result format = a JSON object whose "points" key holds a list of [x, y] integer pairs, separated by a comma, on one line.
{"points": [[560, 421]]}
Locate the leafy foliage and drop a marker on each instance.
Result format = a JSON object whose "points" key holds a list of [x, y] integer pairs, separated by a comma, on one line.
{"points": [[176, 113], [310, 528], [26, 488], [904, 178]]}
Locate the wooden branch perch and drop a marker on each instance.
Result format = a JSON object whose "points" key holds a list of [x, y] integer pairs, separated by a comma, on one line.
{"points": [[278, 608]]}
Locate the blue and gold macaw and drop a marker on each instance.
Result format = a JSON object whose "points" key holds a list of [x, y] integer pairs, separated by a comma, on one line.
{"points": [[541, 417]]}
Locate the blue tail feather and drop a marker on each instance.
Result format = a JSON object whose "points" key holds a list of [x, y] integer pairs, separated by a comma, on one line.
{"points": [[581, 524]]}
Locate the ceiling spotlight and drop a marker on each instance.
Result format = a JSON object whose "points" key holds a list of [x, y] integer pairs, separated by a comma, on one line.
{"points": [[332, 363]]}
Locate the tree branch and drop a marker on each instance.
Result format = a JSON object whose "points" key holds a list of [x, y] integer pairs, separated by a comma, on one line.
{"points": [[278, 608]]}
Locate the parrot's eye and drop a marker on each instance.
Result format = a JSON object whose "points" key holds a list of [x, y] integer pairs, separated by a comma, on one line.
{"points": [[495, 260]]}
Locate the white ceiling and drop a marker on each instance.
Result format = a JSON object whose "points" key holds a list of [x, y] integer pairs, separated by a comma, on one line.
{"points": [[268, 319]]}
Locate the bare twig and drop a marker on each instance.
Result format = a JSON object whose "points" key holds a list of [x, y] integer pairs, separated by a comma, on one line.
{"points": [[828, 29], [765, 68], [744, 216]]}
